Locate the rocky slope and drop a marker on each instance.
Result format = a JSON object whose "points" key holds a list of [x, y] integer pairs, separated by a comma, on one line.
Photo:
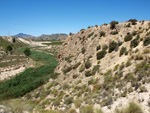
{"points": [[102, 68]]}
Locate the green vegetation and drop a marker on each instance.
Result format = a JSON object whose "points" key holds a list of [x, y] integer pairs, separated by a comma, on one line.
{"points": [[122, 51], [83, 50], [113, 24], [135, 42], [128, 37], [146, 41], [87, 64], [101, 54], [30, 78], [132, 108], [91, 34], [27, 52], [98, 47], [114, 32], [9, 48], [54, 43], [102, 33], [112, 46], [133, 21]]}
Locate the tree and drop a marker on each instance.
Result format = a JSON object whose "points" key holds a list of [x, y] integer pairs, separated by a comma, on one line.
{"points": [[27, 52]]}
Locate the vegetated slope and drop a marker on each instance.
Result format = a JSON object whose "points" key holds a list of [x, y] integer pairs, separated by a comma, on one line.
{"points": [[30, 79], [101, 68]]}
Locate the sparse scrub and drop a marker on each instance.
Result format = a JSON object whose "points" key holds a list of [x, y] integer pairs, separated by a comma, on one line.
{"points": [[88, 73], [68, 101], [101, 54], [113, 24], [87, 64], [128, 37], [67, 69], [146, 41], [112, 46], [114, 32], [91, 34], [82, 68], [83, 50], [102, 33], [133, 21], [98, 47], [146, 50], [128, 25], [105, 47], [87, 109], [122, 51]]}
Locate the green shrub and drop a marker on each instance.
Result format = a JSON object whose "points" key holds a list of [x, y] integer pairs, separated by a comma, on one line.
{"points": [[102, 33], [134, 43], [83, 50], [134, 33], [88, 73], [105, 47], [128, 63], [82, 68], [133, 108], [87, 64], [91, 34], [114, 32], [95, 69], [76, 65], [98, 47], [27, 52], [128, 25], [87, 109], [67, 69], [68, 101], [133, 21], [122, 51], [113, 24], [128, 37], [146, 41], [9, 48], [101, 54], [112, 46]]}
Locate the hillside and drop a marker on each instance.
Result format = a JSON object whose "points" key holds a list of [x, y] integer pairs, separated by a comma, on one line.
{"points": [[59, 36], [101, 68], [22, 35]]}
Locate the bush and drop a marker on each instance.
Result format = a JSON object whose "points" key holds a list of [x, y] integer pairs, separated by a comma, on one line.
{"points": [[105, 47], [112, 46], [83, 50], [82, 68], [87, 109], [134, 43], [101, 54], [133, 21], [133, 108], [134, 33], [67, 69], [102, 33], [87, 64], [91, 34], [146, 41], [128, 37], [122, 51], [113, 24], [68, 101], [27, 52], [98, 47], [88, 73], [114, 32], [128, 25], [9, 48]]}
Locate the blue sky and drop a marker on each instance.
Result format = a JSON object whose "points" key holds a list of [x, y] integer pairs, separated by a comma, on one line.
{"points": [[38, 17]]}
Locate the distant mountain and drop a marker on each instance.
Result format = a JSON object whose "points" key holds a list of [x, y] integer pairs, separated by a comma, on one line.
{"points": [[59, 36], [22, 35]]}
